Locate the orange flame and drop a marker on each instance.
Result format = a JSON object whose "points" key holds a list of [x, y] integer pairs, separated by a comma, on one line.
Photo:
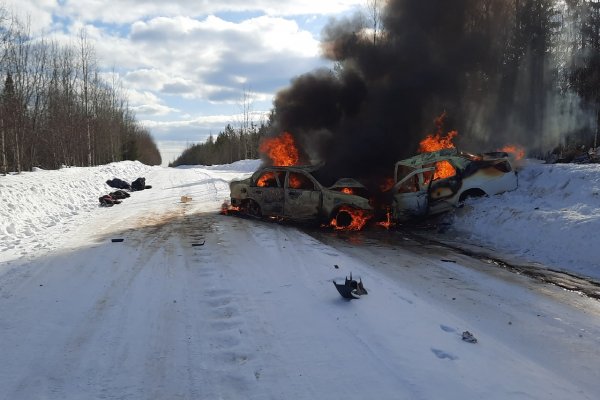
{"points": [[294, 182], [386, 185], [227, 208], [347, 190], [435, 142], [387, 224], [358, 219], [516, 151], [443, 169], [281, 150], [262, 181]]}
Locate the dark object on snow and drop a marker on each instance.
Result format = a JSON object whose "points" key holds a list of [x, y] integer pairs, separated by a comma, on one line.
{"points": [[119, 194], [351, 289], [138, 184], [468, 337], [445, 260], [198, 244], [148, 187], [108, 201], [116, 240], [582, 159], [118, 184]]}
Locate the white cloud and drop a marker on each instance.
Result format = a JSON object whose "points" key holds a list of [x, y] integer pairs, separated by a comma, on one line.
{"points": [[202, 125], [124, 12], [153, 110], [36, 13], [208, 59], [147, 104], [144, 78], [180, 52], [127, 11]]}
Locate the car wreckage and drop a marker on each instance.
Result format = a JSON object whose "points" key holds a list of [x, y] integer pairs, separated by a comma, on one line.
{"points": [[435, 182], [295, 193]]}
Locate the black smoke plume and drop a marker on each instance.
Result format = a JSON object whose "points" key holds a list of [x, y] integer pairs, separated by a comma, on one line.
{"points": [[381, 99]]}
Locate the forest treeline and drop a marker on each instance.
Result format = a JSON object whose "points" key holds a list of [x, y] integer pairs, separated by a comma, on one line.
{"points": [[56, 109], [540, 68], [232, 144]]}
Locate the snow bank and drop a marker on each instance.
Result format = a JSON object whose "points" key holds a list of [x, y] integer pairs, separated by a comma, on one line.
{"points": [[33, 201], [553, 217]]}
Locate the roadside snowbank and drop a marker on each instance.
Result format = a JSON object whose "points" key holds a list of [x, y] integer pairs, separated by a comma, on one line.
{"points": [[33, 201], [38, 208], [553, 217]]}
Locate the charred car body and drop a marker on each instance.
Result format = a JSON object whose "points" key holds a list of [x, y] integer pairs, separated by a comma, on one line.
{"points": [[435, 182], [296, 194]]}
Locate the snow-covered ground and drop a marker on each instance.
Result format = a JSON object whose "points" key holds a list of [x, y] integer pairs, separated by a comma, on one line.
{"points": [[553, 218], [38, 208], [195, 305]]}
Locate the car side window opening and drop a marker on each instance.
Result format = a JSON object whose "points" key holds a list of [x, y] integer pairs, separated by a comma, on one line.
{"points": [[503, 166], [300, 181], [410, 185], [267, 180]]}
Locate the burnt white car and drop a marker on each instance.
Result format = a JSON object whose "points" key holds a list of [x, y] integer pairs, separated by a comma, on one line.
{"points": [[296, 194], [435, 182]]}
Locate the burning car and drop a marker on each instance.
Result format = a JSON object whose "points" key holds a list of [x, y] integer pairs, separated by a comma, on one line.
{"points": [[435, 182], [296, 193]]}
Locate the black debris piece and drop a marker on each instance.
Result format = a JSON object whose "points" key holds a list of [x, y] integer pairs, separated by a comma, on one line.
{"points": [[118, 184], [117, 240], [138, 184], [468, 337], [198, 244], [108, 201], [351, 289], [119, 194]]}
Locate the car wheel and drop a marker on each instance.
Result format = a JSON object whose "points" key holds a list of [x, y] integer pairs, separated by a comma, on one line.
{"points": [[253, 209], [469, 194], [343, 219]]}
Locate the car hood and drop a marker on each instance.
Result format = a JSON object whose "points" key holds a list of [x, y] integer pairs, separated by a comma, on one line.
{"points": [[346, 183]]}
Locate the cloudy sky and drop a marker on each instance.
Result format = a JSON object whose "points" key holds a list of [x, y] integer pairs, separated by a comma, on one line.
{"points": [[186, 64]]}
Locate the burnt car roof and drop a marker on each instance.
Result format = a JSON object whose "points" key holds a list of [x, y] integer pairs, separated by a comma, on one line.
{"points": [[444, 154], [428, 158], [323, 178], [346, 183], [307, 168]]}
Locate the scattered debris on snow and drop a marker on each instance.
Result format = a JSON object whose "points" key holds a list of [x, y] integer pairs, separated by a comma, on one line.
{"points": [[468, 337]]}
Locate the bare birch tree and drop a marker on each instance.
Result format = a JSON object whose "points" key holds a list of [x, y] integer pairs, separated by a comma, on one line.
{"points": [[374, 10]]}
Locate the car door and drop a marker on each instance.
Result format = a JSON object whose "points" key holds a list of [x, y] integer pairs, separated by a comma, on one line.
{"points": [[267, 191], [302, 196], [410, 197]]}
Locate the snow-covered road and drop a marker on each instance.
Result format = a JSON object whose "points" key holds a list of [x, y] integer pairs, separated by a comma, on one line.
{"points": [[252, 313]]}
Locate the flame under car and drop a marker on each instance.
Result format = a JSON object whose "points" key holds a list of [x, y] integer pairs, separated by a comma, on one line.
{"points": [[296, 194], [435, 182]]}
